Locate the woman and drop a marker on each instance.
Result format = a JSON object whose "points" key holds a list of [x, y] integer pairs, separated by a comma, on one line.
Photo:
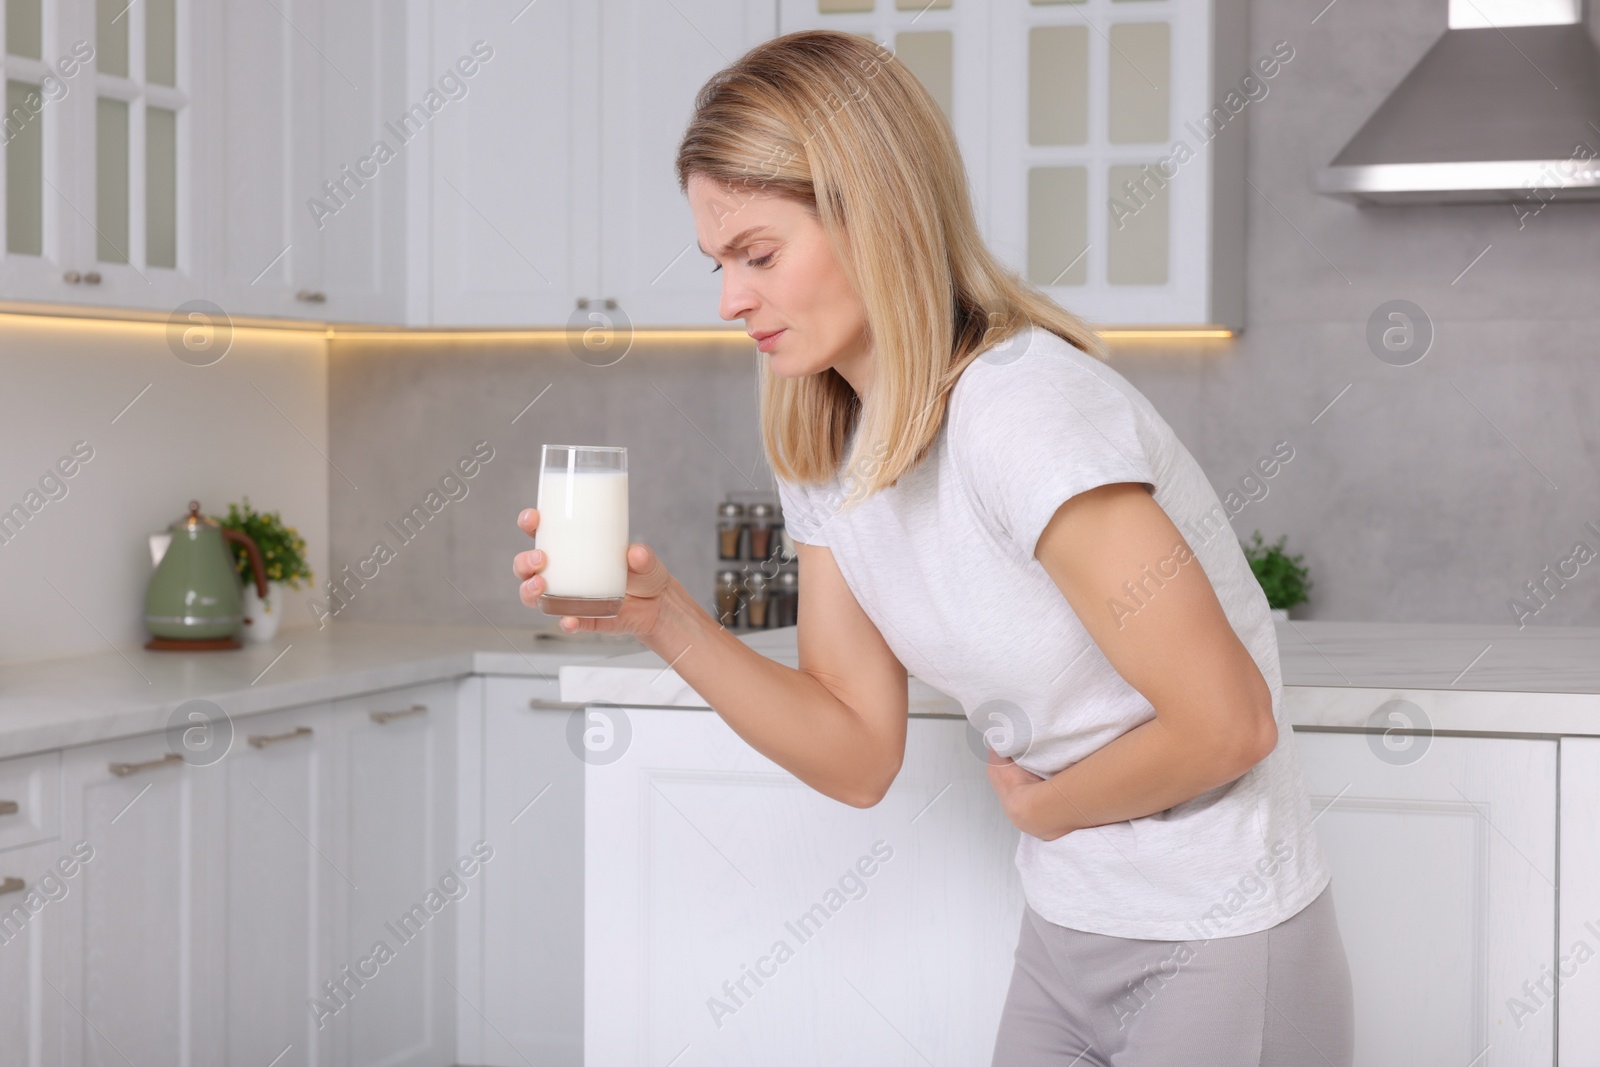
{"points": [[976, 496]]}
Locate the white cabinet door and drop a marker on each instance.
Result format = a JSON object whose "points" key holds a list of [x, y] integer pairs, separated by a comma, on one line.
{"points": [[106, 200], [513, 191], [277, 920], [269, 159], [141, 930], [533, 890], [1444, 868], [656, 58], [313, 182], [733, 912], [392, 810], [364, 162], [44, 174], [32, 888]]}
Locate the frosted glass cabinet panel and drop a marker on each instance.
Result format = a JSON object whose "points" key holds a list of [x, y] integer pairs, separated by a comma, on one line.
{"points": [[1141, 85], [24, 162], [928, 54], [1058, 214], [1058, 85]]}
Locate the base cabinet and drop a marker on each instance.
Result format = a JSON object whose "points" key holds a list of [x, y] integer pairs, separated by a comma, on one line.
{"points": [[1443, 852], [532, 935], [229, 910], [734, 915]]}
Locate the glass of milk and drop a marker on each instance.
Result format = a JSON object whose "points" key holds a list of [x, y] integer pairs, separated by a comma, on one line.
{"points": [[583, 529]]}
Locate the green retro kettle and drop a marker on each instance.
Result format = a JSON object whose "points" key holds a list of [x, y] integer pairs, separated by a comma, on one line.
{"points": [[194, 601]]}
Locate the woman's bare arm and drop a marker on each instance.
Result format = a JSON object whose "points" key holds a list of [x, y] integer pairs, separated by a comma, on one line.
{"points": [[838, 723], [1213, 708]]}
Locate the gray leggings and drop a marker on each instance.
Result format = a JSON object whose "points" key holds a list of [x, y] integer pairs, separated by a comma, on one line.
{"points": [[1274, 998]]}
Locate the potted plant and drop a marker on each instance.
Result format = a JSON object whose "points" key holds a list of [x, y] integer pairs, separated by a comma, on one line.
{"points": [[283, 551], [1282, 577]]}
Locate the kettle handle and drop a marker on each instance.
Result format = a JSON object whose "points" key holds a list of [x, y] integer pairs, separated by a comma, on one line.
{"points": [[254, 552]]}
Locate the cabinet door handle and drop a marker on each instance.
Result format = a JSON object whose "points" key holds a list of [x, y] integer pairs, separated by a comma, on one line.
{"points": [[8, 807], [381, 717], [263, 740], [91, 277], [122, 770], [72, 277], [311, 296], [554, 705], [12, 885]]}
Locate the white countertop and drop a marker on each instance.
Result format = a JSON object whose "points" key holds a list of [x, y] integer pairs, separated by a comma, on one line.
{"points": [[124, 691], [1336, 676]]}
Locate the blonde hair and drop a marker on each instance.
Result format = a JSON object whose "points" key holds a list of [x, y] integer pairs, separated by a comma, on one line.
{"points": [[833, 121]]}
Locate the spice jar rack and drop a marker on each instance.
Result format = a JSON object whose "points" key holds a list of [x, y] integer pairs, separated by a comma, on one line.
{"points": [[757, 576]]}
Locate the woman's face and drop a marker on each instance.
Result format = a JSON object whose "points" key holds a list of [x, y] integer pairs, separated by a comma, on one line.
{"points": [[780, 274]]}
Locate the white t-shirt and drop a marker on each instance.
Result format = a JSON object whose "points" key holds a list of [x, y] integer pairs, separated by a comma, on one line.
{"points": [[942, 563]]}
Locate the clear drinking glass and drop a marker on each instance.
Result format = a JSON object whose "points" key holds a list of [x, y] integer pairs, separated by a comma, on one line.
{"points": [[583, 529]]}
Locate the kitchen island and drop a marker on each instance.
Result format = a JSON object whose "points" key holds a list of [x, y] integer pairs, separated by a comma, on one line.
{"points": [[1454, 771]]}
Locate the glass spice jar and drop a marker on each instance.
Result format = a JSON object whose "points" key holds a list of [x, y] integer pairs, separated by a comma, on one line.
{"points": [[760, 526], [728, 599], [786, 594], [730, 525], [756, 607]]}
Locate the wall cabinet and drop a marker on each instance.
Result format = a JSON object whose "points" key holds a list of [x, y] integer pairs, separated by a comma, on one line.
{"points": [[1070, 119], [310, 182], [553, 199], [498, 163], [106, 108]]}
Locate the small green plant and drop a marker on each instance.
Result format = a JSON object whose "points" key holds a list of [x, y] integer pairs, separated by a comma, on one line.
{"points": [[283, 550], [1282, 577]]}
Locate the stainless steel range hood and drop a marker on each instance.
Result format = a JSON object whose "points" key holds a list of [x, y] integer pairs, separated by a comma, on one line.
{"points": [[1504, 107]]}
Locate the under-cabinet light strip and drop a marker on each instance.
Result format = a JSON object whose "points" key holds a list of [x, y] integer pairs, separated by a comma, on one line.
{"points": [[118, 318]]}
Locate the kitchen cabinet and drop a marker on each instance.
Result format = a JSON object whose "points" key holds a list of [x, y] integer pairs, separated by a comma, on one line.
{"points": [[532, 894], [141, 933], [107, 112], [392, 830], [553, 198], [729, 907], [166, 152], [278, 927], [31, 889], [512, 193], [1062, 108], [310, 169], [1444, 879], [229, 912]]}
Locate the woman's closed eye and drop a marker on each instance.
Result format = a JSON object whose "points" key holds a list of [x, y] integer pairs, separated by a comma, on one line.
{"points": [[762, 262]]}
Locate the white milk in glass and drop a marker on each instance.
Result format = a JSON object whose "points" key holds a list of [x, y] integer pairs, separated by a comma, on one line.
{"points": [[583, 532]]}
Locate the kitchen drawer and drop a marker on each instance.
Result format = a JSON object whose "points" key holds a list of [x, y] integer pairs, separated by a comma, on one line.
{"points": [[30, 799]]}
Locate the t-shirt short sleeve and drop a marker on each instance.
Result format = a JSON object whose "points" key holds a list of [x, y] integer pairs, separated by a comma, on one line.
{"points": [[800, 515], [1037, 430]]}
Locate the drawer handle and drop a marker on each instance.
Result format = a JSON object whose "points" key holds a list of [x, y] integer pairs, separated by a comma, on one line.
{"points": [[122, 770], [554, 705], [8, 807], [381, 717], [12, 885], [263, 740]]}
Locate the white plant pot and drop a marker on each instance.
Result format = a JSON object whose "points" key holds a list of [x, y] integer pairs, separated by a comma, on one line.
{"points": [[261, 617], [1280, 614]]}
